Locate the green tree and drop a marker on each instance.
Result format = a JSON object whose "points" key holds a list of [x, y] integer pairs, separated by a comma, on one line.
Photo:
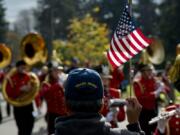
{"points": [[106, 11], [3, 23], [13, 39], [52, 18], [87, 40], [146, 14], [170, 24]]}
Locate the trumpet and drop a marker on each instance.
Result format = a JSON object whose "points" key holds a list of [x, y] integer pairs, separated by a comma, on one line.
{"points": [[163, 115], [117, 102]]}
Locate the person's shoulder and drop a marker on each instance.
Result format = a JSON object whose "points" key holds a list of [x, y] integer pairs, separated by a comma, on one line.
{"points": [[118, 131], [132, 129]]}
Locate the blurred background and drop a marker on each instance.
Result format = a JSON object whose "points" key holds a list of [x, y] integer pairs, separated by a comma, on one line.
{"points": [[83, 29]]}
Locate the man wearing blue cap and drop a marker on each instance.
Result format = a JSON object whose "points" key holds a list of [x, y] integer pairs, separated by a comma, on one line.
{"points": [[84, 99]]}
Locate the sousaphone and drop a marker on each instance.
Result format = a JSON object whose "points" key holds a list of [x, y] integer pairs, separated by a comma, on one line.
{"points": [[33, 51], [25, 97], [5, 56], [154, 54]]}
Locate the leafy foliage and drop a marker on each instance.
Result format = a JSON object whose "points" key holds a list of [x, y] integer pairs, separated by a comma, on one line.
{"points": [[169, 24], [87, 41]]}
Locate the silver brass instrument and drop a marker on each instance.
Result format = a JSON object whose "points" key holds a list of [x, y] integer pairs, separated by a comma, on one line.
{"points": [[117, 102], [163, 115]]}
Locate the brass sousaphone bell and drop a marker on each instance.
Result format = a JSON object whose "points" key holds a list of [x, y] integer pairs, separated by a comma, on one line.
{"points": [[154, 54], [33, 49], [5, 56]]}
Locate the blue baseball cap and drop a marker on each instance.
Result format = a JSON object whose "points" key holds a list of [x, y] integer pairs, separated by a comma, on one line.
{"points": [[83, 84]]}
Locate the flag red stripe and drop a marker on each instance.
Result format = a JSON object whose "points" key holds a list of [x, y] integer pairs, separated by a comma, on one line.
{"points": [[127, 49], [133, 38], [111, 60], [114, 54], [131, 48], [115, 57], [119, 50], [132, 45], [142, 35], [137, 40], [124, 50]]}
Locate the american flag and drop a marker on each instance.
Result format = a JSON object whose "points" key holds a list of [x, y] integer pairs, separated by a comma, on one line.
{"points": [[127, 41]]}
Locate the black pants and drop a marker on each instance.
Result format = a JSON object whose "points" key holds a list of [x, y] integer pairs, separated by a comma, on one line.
{"points": [[0, 115], [144, 119], [51, 122], [24, 119], [8, 109]]}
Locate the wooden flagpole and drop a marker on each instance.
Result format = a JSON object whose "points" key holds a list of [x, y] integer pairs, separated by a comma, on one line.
{"points": [[131, 71]]}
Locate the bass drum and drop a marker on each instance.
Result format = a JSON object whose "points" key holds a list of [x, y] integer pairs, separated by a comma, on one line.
{"points": [[24, 98]]}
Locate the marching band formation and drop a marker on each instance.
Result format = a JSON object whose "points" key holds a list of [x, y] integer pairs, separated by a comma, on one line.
{"points": [[21, 87]]}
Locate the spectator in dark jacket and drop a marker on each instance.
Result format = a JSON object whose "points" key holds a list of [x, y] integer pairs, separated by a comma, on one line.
{"points": [[84, 100]]}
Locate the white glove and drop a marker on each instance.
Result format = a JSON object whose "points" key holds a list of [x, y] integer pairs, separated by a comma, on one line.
{"points": [[162, 125], [25, 88], [109, 117], [112, 115], [159, 89]]}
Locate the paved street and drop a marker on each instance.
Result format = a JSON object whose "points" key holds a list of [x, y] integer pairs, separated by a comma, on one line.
{"points": [[8, 126]]}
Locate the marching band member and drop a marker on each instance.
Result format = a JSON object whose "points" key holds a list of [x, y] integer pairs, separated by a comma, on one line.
{"points": [[1, 79], [8, 106], [18, 83], [43, 73], [53, 92], [2, 76], [171, 126], [146, 91], [41, 76], [113, 114], [168, 83], [117, 77]]}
